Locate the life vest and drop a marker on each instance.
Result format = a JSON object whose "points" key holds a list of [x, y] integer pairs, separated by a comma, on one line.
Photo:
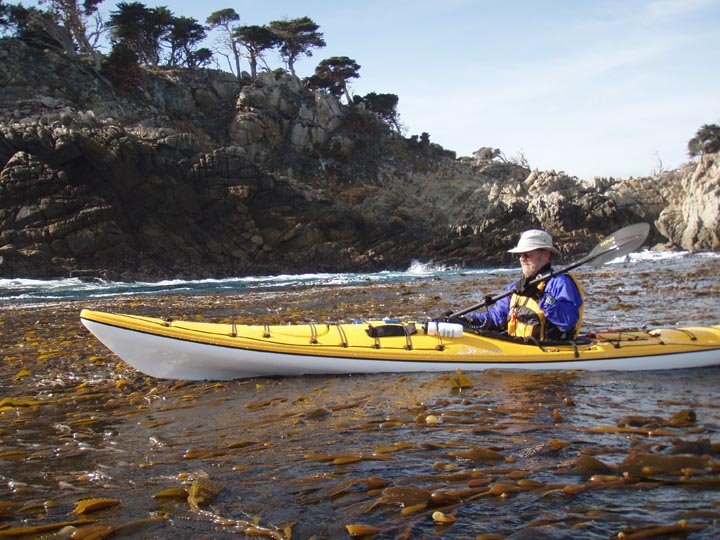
{"points": [[527, 320]]}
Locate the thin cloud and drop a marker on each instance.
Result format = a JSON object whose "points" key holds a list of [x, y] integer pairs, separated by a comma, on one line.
{"points": [[664, 10]]}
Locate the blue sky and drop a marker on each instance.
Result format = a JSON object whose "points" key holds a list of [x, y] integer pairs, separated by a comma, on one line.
{"points": [[590, 87]]}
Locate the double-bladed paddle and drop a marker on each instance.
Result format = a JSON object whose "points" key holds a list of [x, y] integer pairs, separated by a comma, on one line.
{"points": [[618, 244]]}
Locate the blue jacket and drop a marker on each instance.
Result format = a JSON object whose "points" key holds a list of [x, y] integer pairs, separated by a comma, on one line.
{"points": [[560, 302]]}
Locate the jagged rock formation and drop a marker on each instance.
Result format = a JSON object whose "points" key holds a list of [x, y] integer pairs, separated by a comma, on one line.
{"points": [[197, 174], [691, 220]]}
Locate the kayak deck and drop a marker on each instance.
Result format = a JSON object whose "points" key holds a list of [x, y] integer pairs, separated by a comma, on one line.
{"points": [[201, 350]]}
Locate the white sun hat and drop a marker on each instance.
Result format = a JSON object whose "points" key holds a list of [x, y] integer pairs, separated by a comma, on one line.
{"points": [[534, 239]]}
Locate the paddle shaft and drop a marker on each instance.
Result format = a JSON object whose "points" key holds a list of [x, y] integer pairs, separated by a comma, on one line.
{"points": [[633, 237]]}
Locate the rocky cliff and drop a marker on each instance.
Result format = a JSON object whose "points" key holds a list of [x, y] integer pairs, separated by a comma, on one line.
{"points": [[196, 174]]}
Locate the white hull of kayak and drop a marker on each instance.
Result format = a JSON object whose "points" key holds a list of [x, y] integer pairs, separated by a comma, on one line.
{"points": [[171, 358]]}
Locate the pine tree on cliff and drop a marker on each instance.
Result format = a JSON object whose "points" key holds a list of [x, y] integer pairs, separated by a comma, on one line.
{"points": [[334, 73], [183, 37], [25, 24], [296, 36], [383, 105], [705, 141], [68, 25], [256, 40], [78, 17], [226, 43], [141, 29]]}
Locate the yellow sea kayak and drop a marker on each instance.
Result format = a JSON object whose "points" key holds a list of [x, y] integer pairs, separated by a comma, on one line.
{"points": [[210, 351]]}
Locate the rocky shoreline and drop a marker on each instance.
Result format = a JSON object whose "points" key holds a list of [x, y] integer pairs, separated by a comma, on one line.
{"points": [[196, 174]]}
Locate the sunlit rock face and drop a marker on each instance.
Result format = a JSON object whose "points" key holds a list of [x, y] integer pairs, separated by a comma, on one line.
{"points": [[692, 221]]}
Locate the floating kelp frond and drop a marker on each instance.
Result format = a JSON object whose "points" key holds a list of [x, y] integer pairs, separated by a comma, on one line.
{"points": [[22, 374], [172, 493], [587, 466], [7, 509], [684, 418], [460, 381], [203, 453], [443, 519], [557, 444], [640, 421], [395, 447], [650, 464], [13, 454], [318, 414], [137, 526], [92, 532], [241, 444], [654, 531], [253, 405], [359, 529], [317, 456], [16, 532], [374, 482], [503, 489], [19, 402], [344, 406], [355, 458], [442, 466], [574, 489], [527, 483], [405, 495], [476, 453], [339, 490], [413, 509], [452, 496], [93, 504], [655, 432], [602, 478], [697, 447]]}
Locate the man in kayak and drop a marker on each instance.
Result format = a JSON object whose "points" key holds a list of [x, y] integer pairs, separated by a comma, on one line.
{"points": [[549, 310]]}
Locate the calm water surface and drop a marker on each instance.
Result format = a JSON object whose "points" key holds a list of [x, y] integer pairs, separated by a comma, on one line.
{"points": [[511, 456]]}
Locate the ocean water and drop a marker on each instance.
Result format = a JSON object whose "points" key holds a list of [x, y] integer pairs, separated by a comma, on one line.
{"points": [[25, 291], [39, 290], [516, 455]]}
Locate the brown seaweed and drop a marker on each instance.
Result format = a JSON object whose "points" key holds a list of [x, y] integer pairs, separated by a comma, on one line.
{"points": [[327, 451]]}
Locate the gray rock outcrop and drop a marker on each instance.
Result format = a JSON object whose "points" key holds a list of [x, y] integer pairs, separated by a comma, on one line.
{"points": [[197, 174], [691, 220]]}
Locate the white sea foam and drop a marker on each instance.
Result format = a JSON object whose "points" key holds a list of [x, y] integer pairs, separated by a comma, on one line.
{"points": [[27, 291], [419, 268], [650, 256]]}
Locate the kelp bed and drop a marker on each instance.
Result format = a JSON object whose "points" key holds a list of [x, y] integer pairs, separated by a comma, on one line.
{"points": [[89, 448]]}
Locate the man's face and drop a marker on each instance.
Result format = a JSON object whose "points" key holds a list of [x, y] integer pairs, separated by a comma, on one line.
{"points": [[532, 261]]}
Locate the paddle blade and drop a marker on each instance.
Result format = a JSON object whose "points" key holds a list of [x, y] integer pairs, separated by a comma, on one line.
{"points": [[618, 244]]}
